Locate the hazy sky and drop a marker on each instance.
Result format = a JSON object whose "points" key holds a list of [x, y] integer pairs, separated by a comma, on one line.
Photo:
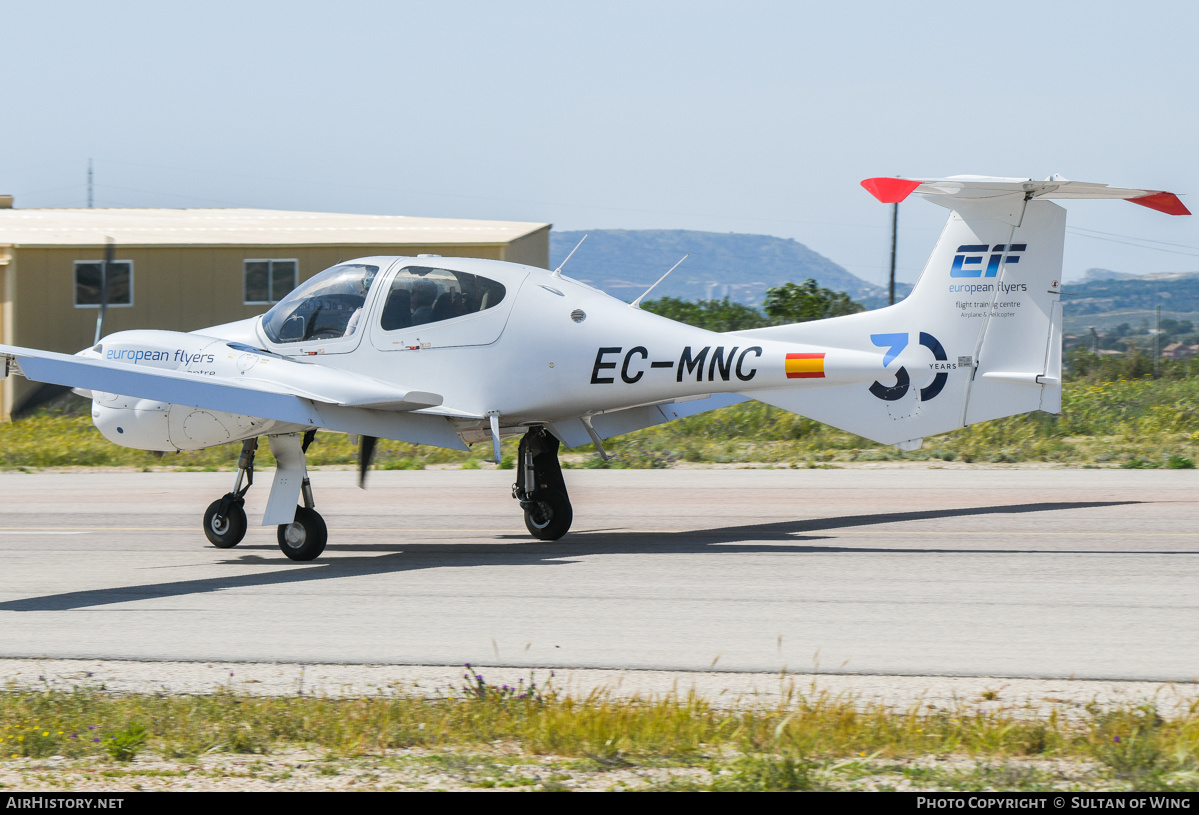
{"points": [[741, 116]]}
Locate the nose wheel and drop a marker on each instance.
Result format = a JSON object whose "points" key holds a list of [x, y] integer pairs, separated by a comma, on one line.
{"points": [[225, 522], [225, 519]]}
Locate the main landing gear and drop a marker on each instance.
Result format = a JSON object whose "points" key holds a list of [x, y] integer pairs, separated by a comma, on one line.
{"points": [[302, 533], [539, 486]]}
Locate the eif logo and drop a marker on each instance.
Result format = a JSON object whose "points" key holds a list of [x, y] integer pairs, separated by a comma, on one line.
{"points": [[968, 264]]}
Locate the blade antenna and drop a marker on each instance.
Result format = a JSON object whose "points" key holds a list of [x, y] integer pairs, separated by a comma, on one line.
{"points": [[493, 417], [637, 303], [558, 271]]}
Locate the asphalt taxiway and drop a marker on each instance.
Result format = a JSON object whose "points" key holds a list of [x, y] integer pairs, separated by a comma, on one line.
{"points": [[948, 572]]}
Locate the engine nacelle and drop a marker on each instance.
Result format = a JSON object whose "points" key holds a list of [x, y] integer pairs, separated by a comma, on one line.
{"points": [[147, 424]]}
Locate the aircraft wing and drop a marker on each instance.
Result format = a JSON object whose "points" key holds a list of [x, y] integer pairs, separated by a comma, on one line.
{"points": [[317, 396]]}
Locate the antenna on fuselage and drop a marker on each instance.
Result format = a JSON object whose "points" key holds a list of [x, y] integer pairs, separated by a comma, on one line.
{"points": [[558, 271], [637, 303]]}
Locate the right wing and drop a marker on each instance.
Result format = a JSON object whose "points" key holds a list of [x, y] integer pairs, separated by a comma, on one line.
{"points": [[573, 433]]}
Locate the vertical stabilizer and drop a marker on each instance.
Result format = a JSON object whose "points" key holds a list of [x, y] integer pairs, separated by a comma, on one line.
{"points": [[980, 335]]}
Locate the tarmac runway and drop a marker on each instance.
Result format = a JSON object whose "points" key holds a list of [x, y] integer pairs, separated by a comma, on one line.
{"points": [[1041, 573]]}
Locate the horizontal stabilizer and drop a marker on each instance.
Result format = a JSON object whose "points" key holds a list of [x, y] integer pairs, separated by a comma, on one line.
{"points": [[965, 187]]}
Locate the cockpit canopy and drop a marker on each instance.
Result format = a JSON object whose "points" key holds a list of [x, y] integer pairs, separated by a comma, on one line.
{"points": [[424, 294], [330, 305], [322, 307]]}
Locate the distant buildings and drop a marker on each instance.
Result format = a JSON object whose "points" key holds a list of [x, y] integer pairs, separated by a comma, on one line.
{"points": [[1177, 350]]}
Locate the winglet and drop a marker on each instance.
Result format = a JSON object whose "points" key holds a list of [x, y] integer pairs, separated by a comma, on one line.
{"points": [[1166, 202], [890, 190]]}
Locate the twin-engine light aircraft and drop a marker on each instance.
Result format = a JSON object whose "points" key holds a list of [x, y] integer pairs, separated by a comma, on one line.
{"points": [[452, 352]]}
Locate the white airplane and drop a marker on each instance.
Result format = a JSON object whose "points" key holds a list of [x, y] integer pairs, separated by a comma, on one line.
{"points": [[452, 352]]}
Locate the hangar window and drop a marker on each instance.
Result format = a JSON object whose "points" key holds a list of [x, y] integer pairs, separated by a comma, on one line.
{"points": [[268, 280], [88, 276], [423, 294]]}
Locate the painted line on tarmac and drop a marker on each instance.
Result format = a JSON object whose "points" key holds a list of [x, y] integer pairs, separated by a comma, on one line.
{"points": [[47, 531], [80, 530]]}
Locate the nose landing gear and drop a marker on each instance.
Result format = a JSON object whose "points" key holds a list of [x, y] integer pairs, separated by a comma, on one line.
{"points": [[225, 520], [540, 488]]}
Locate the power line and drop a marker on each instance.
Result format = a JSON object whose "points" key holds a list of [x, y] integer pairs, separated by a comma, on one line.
{"points": [[1079, 229]]}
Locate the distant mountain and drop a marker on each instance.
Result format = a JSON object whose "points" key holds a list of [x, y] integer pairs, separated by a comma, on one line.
{"points": [[624, 263], [1091, 275]]}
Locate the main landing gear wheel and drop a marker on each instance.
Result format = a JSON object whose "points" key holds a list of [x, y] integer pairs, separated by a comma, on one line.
{"points": [[548, 515], [539, 486], [225, 526], [305, 537]]}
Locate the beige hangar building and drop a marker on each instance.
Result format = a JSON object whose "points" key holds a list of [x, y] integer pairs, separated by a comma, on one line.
{"points": [[185, 269]]}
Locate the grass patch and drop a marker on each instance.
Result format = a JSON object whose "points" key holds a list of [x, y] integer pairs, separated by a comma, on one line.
{"points": [[806, 743], [1139, 424]]}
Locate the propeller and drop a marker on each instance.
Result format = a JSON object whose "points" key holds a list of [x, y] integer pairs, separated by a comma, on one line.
{"points": [[366, 451], [109, 252]]}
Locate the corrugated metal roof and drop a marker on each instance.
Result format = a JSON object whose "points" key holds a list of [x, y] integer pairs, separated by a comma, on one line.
{"points": [[239, 227]]}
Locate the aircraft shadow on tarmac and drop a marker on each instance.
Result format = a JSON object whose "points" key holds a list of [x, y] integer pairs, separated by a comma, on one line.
{"points": [[408, 555]]}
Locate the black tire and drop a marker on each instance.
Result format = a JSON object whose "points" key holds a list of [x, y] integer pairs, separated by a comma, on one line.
{"points": [[305, 537], [227, 531], [550, 516]]}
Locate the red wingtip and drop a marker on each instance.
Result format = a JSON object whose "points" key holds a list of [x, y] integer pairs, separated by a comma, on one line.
{"points": [[1166, 202], [890, 190]]}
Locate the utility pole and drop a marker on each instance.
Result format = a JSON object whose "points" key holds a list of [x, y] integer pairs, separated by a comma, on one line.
{"points": [[1157, 343], [90, 200], [894, 233]]}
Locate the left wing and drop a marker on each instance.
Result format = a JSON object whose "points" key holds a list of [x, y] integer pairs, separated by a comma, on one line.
{"points": [[293, 392]]}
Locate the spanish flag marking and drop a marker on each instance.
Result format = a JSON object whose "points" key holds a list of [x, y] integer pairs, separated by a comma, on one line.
{"points": [[804, 366]]}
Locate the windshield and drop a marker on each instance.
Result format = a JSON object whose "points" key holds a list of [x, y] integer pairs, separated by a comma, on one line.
{"points": [[327, 306]]}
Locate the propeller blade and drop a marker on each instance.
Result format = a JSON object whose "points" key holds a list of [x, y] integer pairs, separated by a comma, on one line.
{"points": [[110, 251], [366, 452]]}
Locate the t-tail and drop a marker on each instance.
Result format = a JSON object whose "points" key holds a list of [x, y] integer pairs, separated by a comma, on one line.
{"points": [[980, 336]]}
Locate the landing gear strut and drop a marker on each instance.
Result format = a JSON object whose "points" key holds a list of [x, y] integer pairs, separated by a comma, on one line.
{"points": [[305, 535], [539, 486], [225, 520]]}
